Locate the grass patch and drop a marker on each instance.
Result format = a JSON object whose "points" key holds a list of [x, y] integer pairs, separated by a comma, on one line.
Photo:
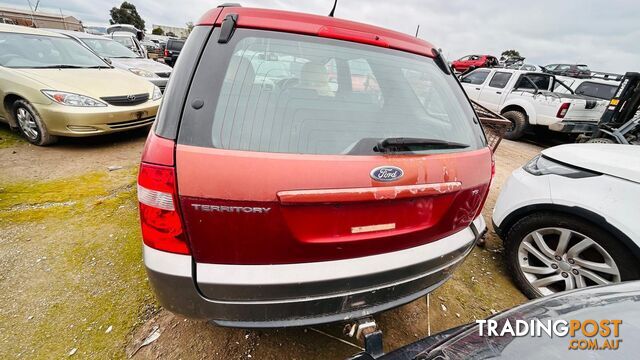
{"points": [[79, 271], [9, 138]]}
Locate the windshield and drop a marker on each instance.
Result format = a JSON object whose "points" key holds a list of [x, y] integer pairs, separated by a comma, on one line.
{"points": [[125, 40], [109, 48], [300, 94], [38, 51]]}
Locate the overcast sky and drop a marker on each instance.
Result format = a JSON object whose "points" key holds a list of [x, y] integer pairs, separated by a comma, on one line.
{"points": [[602, 34]]}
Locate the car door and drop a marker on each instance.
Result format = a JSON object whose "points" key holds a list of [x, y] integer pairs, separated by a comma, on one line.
{"points": [[492, 95], [473, 82]]}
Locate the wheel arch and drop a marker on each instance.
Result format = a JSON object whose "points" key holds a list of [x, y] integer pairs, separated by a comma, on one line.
{"points": [[585, 214], [8, 100], [526, 109]]}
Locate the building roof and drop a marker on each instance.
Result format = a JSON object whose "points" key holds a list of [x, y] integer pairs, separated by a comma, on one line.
{"points": [[26, 30], [40, 14]]}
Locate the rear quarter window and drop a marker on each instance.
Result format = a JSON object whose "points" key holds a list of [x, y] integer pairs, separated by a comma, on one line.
{"points": [[285, 93]]}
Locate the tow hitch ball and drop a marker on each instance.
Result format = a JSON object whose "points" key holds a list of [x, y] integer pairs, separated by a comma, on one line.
{"points": [[366, 330]]}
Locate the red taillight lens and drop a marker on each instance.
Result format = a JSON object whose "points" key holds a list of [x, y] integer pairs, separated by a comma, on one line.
{"points": [[161, 223], [166, 52], [563, 110]]}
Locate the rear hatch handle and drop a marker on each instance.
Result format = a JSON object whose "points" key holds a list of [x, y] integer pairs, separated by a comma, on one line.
{"points": [[292, 197]]}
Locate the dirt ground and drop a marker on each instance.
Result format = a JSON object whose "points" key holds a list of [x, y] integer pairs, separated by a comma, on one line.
{"points": [[72, 283]]}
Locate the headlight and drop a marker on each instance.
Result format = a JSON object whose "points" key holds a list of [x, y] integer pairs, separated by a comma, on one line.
{"points": [[541, 165], [143, 73], [157, 94], [72, 99]]}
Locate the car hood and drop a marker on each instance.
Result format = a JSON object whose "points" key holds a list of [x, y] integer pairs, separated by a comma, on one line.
{"points": [[619, 301], [91, 82], [617, 160], [144, 64]]}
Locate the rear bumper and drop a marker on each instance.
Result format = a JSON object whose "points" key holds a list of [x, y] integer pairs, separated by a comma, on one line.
{"points": [[259, 296], [574, 127]]}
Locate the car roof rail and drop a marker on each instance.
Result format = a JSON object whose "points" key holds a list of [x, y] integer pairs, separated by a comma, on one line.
{"points": [[223, 5]]}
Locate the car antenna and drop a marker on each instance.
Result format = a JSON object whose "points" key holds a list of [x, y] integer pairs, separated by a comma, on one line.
{"points": [[417, 30], [335, 2]]}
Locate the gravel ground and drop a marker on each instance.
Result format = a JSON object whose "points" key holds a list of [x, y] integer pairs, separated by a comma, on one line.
{"points": [[72, 282]]}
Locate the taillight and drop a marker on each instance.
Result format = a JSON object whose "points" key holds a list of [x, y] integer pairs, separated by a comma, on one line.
{"points": [[563, 110], [161, 223], [166, 52]]}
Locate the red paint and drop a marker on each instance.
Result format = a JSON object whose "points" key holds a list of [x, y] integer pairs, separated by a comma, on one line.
{"points": [[366, 194], [158, 150], [352, 35], [482, 61], [314, 201], [307, 230], [300, 23]]}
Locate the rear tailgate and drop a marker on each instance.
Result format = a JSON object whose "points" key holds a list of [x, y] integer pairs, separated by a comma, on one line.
{"points": [[583, 108], [263, 208]]}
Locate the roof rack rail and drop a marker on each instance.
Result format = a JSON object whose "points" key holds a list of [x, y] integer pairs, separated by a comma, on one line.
{"points": [[229, 5]]}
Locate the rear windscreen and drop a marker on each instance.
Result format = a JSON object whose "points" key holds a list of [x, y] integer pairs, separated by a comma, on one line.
{"points": [[175, 45], [597, 90], [274, 92]]}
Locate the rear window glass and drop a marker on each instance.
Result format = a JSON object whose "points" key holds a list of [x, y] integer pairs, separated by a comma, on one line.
{"points": [[289, 93], [476, 77], [601, 91], [541, 81], [175, 44]]}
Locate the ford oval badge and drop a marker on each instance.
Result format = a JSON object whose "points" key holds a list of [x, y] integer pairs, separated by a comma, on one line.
{"points": [[386, 173]]}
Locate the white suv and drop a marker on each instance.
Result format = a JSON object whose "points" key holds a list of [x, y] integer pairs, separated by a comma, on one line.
{"points": [[569, 218]]}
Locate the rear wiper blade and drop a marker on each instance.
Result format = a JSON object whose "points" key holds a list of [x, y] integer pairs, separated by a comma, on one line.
{"points": [[399, 144]]}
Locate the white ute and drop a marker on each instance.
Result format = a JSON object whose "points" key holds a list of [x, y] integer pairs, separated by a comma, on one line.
{"points": [[527, 98]]}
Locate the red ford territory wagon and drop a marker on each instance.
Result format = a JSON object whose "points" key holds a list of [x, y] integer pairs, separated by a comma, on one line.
{"points": [[305, 169]]}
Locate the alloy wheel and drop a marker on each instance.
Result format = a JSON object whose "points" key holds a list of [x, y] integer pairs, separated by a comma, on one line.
{"points": [[27, 123], [559, 259]]}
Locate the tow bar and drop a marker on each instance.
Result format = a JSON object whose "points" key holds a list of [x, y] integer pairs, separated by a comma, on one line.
{"points": [[366, 330]]}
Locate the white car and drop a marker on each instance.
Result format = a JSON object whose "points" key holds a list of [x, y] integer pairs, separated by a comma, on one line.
{"points": [[528, 99], [570, 218], [121, 57], [603, 89]]}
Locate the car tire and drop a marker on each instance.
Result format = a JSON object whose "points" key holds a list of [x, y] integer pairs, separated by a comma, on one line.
{"points": [[520, 124], [30, 124], [521, 231], [601, 141]]}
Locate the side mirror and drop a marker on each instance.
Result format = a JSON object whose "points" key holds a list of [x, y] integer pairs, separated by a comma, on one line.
{"points": [[107, 60]]}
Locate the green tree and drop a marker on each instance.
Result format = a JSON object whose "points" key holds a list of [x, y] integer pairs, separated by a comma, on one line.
{"points": [[189, 27], [126, 14], [511, 53], [157, 31]]}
